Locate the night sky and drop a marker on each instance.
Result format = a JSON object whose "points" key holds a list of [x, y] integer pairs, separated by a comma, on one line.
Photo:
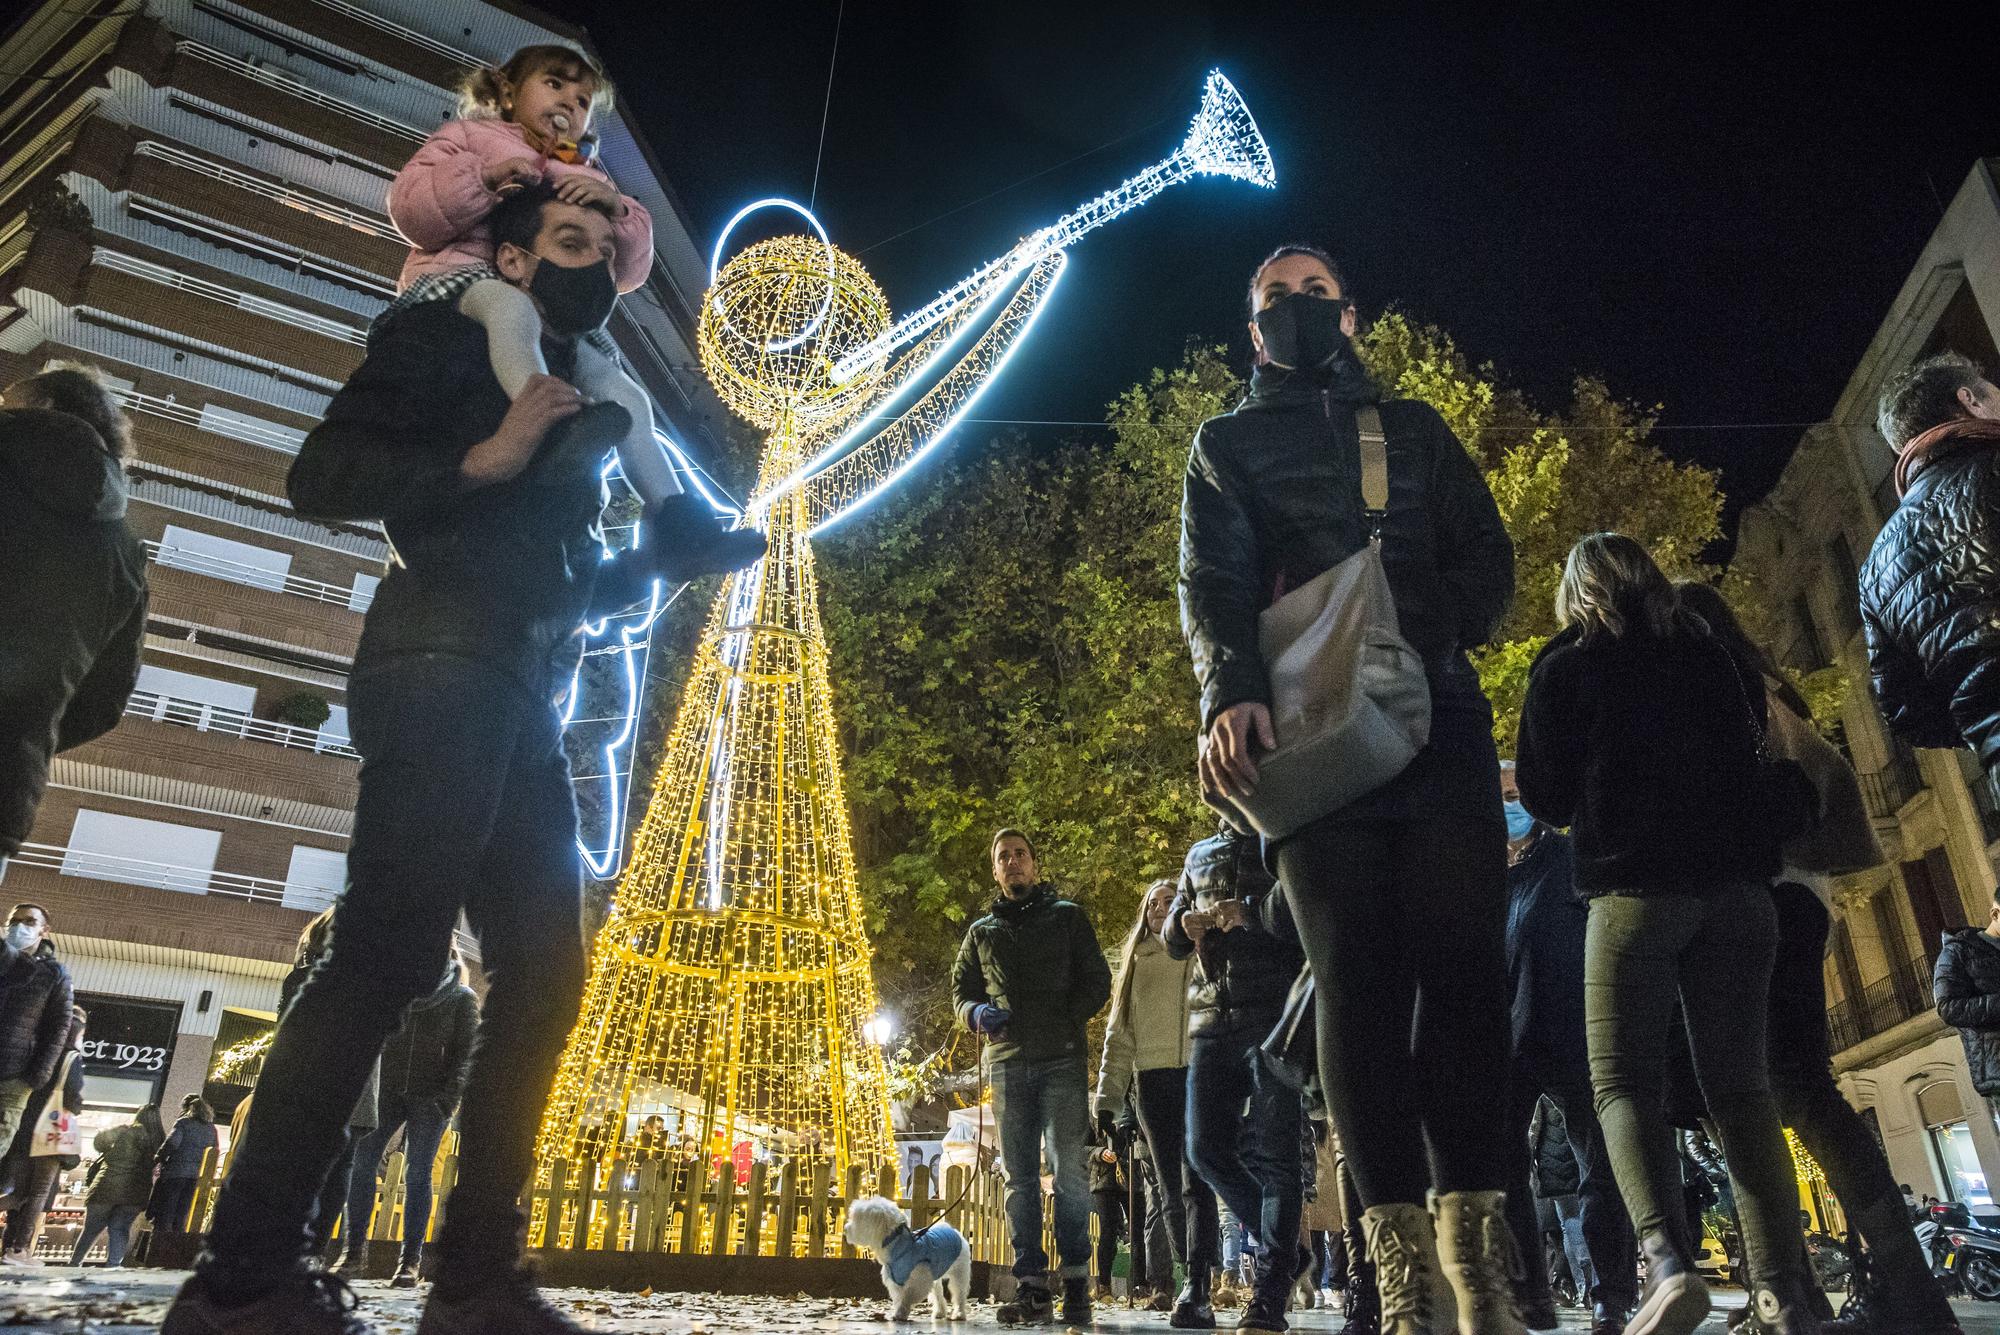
{"points": [[1712, 213]]}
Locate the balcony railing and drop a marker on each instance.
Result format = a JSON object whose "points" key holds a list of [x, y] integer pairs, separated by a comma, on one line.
{"points": [[1888, 790], [271, 78], [237, 426], [165, 875], [119, 262], [234, 723], [1883, 1004], [237, 572], [282, 194]]}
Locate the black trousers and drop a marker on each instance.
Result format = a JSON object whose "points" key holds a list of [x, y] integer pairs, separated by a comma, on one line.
{"points": [[1607, 1229], [1403, 924], [1802, 1068], [1193, 1221], [1110, 1204], [465, 804]]}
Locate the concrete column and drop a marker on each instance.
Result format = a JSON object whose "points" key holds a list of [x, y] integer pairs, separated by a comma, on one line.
{"points": [[187, 1072]]}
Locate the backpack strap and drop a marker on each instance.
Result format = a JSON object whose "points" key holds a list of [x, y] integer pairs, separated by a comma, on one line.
{"points": [[1374, 467]]}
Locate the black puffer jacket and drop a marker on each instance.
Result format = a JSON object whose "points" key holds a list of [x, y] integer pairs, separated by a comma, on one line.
{"points": [[505, 573], [429, 1058], [1557, 1172], [37, 1001], [1930, 605], [1966, 986], [1272, 498], [1241, 977], [1037, 958], [72, 600]]}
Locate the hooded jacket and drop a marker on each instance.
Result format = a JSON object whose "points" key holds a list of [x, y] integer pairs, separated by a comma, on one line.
{"points": [[1272, 498], [1241, 977], [430, 1057], [1147, 1029], [72, 599], [1545, 933], [127, 1175], [37, 1002], [1930, 604], [1966, 987], [1037, 958], [187, 1147], [440, 201]]}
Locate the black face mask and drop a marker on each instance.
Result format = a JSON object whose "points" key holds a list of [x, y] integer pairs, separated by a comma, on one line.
{"points": [[1302, 331], [574, 301]]}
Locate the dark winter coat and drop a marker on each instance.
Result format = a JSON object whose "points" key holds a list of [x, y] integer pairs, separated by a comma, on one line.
{"points": [[429, 1058], [503, 573], [187, 1144], [1966, 986], [1272, 498], [1644, 748], [1038, 959], [127, 1175], [1557, 1172], [72, 599], [1930, 605], [1545, 930], [37, 1001], [1241, 977], [314, 942]]}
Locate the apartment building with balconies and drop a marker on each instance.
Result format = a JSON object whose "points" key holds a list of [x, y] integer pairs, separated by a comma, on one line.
{"points": [[191, 198], [1937, 813]]}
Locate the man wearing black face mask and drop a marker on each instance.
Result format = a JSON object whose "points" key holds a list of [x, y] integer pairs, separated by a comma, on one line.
{"points": [[1412, 1021], [465, 799]]}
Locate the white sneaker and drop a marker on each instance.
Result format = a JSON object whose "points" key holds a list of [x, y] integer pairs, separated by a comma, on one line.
{"points": [[22, 1258]]}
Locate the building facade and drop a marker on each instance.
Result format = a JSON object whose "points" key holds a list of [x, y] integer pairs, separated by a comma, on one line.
{"points": [[192, 199], [1937, 814]]}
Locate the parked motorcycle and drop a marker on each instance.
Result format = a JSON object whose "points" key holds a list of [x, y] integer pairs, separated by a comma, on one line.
{"points": [[1965, 1254]]}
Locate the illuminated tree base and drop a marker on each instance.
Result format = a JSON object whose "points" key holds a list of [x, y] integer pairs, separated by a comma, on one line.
{"points": [[729, 989]]}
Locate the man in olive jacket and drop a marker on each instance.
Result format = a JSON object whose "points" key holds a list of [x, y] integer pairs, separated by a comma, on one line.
{"points": [[1029, 977]]}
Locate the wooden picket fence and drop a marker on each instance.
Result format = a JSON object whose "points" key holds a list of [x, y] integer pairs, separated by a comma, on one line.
{"points": [[672, 1208]]}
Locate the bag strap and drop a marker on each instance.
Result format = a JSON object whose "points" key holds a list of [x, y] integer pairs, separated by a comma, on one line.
{"points": [[1374, 467]]}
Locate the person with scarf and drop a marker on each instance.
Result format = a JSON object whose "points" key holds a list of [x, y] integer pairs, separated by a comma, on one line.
{"points": [[1412, 1020], [1930, 588]]}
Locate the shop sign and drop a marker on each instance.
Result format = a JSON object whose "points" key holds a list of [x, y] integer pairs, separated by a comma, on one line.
{"points": [[125, 1037]]}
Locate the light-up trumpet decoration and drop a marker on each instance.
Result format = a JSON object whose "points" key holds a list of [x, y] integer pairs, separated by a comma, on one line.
{"points": [[730, 991]]}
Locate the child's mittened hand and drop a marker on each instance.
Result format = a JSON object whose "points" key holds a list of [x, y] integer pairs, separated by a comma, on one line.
{"points": [[512, 174]]}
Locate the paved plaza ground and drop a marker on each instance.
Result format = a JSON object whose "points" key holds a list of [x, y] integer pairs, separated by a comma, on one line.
{"points": [[128, 1302]]}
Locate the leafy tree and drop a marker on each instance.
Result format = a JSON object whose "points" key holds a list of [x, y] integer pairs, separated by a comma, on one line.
{"points": [[1006, 643]]}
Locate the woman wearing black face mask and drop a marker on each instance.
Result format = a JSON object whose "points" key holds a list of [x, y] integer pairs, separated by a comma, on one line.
{"points": [[1400, 897]]}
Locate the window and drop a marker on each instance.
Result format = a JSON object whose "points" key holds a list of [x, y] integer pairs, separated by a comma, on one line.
{"points": [[223, 558], [333, 732], [108, 847], [364, 591], [1942, 1109], [1812, 649], [315, 879], [1847, 596]]}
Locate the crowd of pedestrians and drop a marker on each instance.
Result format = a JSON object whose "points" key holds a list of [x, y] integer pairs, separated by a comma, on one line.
{"points": [[1430, 1043]]}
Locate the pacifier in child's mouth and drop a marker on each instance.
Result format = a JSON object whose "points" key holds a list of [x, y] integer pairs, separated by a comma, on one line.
{"points": [[565, 149]]}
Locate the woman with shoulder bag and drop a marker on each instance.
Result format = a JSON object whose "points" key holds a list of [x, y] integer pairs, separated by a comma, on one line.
{"points": [[1412, 1020], [43, 1149], [1644, 733], [1897, 1292], [121, 1182]]}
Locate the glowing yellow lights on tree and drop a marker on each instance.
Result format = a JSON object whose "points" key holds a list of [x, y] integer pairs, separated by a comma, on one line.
{"points": [[1803, 1164], [730, 990]]}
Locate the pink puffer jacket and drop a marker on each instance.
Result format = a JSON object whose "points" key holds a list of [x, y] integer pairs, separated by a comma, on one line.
{"points": [[439, 202]]}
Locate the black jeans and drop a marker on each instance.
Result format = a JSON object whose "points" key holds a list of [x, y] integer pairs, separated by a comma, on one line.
{"points": [[1607, 1229], [1801, 1067], [466, 805], [1250, 1159], [1192, 1220], [1403, 923], [1110, 1206]]}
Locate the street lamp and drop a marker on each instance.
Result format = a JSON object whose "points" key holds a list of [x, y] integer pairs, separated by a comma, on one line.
{"points": [[879, 1029]]}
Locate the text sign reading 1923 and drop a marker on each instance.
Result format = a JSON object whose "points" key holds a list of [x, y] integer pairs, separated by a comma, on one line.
{"points": [[126, 1036], [125, 1056]]}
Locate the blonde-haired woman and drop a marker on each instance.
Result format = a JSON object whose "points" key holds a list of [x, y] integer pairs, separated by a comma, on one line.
{"points": [[1641, 731], [1146, 1045]]}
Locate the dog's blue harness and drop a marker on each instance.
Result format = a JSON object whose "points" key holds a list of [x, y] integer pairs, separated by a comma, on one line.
{"points": [[937, 1247]]}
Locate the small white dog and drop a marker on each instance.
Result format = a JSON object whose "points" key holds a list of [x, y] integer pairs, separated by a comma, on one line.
{"points": [[912, 1262]]}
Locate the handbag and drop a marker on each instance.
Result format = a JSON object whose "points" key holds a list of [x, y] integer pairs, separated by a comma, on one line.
{"points": [[1290, 1052], [1782, 799], [1350, 704], [57, 1130]]}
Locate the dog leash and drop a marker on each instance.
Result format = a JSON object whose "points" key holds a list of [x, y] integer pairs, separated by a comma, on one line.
{"points": [[979, 1147]]}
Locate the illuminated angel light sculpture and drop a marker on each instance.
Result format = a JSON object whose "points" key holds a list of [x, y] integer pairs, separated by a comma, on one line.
{"points": [[730, 990]]}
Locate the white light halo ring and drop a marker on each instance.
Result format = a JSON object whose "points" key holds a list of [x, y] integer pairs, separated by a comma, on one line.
{"points": [[832, 273]]}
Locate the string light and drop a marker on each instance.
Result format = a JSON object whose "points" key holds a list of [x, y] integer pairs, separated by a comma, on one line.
{"points": [[1804, 1166], [730, 990]]}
